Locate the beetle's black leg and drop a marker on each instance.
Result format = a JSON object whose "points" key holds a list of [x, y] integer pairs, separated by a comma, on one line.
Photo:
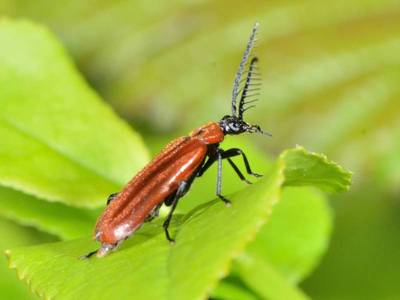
{"points": [[169, 199], [212, 158], [111, 197], [103, 250], [90, 254], [209, 162], [154, 213], [238, 171], [219, 179], [182, 189], [236, 151]]}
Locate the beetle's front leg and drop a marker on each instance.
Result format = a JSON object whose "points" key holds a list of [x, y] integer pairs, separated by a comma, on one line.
{"points": [[236, 151], [181, 191]]}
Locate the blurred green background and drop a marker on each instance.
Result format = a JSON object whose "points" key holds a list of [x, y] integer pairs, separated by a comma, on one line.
{"points": [[331, 82]]}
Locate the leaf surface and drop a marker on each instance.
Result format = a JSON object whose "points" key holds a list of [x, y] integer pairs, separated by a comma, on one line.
{"points": [[59, 219], [265, 280], [60, 142], [14, 235], [303, 214], [208, 238]]}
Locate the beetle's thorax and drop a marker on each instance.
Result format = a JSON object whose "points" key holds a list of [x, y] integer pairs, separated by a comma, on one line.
{"points": [[210, 133]]}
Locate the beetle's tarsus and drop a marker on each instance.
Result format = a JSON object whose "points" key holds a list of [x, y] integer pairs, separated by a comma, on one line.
{"points": [[89, 255], [170, 240], [226, 201], [255, 175]]}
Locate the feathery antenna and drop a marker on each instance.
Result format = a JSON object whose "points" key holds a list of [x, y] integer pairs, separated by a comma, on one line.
{"points": [[247, 52], [248, 91]]}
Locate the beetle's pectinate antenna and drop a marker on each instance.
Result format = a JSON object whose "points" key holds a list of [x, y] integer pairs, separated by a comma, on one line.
{"points": [[242, 66], [250, 89]]}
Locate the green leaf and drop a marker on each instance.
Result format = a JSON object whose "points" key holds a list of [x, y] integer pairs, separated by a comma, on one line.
{"points": [[64, 221], [318, 172], [288, 247], [208, 239], [138, 269], [13, 235], [222, 235], [233, 289], [297, 234], [59, 141], [279, 250], [369, 227], [258, 274]]}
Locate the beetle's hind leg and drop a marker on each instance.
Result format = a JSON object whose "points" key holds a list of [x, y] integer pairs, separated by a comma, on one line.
{"points": [[102, 251], [181, 191], [89, 255], [154, 213]]}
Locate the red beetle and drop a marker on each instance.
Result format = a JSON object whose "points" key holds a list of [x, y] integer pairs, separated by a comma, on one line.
{"points": [[170, 174]]}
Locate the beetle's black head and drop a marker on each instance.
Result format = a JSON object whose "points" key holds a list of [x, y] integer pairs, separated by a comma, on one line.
{"points": [[234, 125], [245, 90]]}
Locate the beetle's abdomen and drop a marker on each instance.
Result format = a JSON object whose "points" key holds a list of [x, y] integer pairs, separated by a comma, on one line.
{"points": [[150, 187]]}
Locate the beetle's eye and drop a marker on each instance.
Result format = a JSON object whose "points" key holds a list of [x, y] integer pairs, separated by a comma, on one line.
{"points": [[234, 126]]}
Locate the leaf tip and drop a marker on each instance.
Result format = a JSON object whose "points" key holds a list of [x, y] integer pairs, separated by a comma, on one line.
{"points": [[298, 159]]}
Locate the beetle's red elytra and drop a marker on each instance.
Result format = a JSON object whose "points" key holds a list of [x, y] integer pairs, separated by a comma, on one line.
{"points": [[170, 174], [176, 163]]}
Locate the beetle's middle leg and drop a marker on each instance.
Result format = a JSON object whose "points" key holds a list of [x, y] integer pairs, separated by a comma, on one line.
{"points": [[219, 179], [218, 155]]}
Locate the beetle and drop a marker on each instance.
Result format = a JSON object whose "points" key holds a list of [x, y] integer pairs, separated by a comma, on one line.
{"points": [[168, 177]]}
